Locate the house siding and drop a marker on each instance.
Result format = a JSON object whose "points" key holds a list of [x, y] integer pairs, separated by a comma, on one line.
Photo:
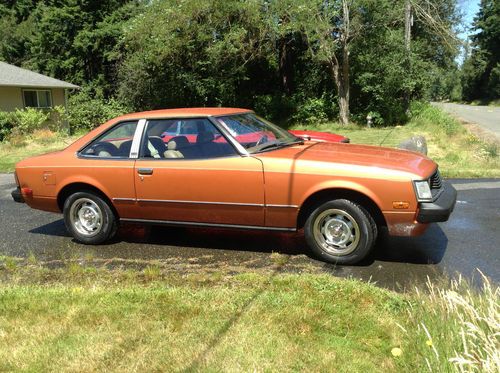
{"points": [[11, 98]]}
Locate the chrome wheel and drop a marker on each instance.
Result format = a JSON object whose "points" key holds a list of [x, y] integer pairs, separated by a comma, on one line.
{"points": [[336, 232], [86, 217]]}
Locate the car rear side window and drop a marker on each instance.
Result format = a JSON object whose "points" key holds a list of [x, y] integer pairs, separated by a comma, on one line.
{"points": [[114, 143], [193, 138]]}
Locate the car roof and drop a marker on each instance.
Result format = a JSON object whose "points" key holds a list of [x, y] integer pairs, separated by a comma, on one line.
{"points": [[184, 112]]}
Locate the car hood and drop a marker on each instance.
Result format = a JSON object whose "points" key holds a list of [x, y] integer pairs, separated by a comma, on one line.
{"points": [[338, 158]]}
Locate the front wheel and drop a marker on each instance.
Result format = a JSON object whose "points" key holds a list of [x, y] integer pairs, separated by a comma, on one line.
{"points": [[89, 218], [340, 231]]}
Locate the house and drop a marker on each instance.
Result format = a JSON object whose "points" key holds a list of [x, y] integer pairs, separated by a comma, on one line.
{"points": [[21, 88]]}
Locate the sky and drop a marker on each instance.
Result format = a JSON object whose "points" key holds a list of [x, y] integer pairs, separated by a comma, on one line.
{"points": [[469, 8]]}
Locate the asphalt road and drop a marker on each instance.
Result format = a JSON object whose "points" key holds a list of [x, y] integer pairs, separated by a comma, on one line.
{"points": [[470, 240], [487, 117]]}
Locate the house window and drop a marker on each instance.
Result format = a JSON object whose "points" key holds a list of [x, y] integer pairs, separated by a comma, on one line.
{"points": [[39, 98]]}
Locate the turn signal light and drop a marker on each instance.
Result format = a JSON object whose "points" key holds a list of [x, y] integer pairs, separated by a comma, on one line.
{"points": [[27, 192], [399, 205]]}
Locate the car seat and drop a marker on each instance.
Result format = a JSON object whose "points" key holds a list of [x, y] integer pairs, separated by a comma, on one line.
{"points": [[172, 151]]}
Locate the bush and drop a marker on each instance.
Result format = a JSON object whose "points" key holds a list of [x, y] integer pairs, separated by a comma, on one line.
{"points": [[276, 108], [22, 122], [86, 112], [5, 125], [29, 119], [315, 110], [424, 113]]}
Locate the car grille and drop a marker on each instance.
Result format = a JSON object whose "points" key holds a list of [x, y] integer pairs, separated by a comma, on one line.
{"points": [[436, 184], [435, 180]]}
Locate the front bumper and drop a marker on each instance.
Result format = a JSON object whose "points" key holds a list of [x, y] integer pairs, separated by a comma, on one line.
{"points": [[17, 196], [441, 208]]}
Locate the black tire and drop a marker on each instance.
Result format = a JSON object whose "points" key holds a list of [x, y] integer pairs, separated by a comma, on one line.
{"points": [[340, 231], [89, 218]]}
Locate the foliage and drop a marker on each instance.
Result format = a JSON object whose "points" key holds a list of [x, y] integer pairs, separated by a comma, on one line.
{"points": [[23, 121], [77, 41], [198, 54], [481, 69], [274, 56], [315, 110], [86, 112], [5, 125], [456, 327]]}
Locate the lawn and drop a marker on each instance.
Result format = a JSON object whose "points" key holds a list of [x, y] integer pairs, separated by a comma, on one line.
{"points": [[87, 318], [39, 142]]}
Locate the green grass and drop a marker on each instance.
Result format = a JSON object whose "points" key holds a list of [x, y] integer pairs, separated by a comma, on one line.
{"points": [[21, 147], [94, 319], [486, 102], [458, 152]]}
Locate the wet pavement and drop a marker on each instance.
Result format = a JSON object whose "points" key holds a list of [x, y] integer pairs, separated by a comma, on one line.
{"points": [[470, 240]]}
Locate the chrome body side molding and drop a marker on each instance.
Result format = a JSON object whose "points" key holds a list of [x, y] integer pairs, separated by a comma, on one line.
{"points": [[212, 225]]}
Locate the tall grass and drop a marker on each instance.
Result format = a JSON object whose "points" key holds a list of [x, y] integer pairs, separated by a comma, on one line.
{"points": [[456, 327]]}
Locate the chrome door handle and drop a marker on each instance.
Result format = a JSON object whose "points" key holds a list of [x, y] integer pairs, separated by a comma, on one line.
{"points": [[145, 171]]}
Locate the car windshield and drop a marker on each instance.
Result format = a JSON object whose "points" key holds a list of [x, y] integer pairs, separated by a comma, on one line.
{"points": [[256, 134]]}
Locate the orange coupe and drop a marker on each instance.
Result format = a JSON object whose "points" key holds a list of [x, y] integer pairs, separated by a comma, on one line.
{"points": [[238, 171]]}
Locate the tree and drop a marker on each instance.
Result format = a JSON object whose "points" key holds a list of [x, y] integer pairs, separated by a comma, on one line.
{"points": [[197, 53], [328, 27], [482, 68], [73, 40]]}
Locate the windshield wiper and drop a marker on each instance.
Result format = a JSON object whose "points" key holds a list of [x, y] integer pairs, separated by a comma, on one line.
{"points": [[271, 145], [278, 145]]}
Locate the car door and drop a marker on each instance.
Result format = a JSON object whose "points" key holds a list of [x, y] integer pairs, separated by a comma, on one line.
{"points": [[200, 180], [108, 164]]}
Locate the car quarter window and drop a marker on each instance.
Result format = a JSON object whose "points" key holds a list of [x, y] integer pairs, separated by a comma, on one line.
{"points": [[192, 138], [114, 143]]}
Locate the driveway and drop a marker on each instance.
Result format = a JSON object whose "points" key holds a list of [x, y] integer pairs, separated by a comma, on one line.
{"points": [[469, 240], [487, 117]]}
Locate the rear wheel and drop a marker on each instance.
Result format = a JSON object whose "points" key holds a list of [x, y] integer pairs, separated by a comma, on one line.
{"points": [[89, 218], [340, 231]]}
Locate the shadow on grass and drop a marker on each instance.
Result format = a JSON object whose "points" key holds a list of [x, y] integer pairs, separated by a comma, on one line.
{"points": [[197, 363]]}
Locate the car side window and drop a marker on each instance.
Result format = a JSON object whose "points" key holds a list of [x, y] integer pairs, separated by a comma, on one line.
{"points": [[195, 138], [114, 143]]}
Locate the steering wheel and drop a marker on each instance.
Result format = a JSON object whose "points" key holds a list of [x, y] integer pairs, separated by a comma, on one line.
{"points": [[103, 149], [262, 140]]}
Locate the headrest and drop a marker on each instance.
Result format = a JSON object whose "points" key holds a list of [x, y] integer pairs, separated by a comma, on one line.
{"points": [[180, 141], [204, 137], [171, 145]]}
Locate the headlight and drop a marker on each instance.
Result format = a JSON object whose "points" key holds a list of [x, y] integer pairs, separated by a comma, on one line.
{"points": [[423, 190]]}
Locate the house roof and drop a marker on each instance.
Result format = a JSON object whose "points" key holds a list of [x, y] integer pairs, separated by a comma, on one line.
{"points": [[14, 76]]}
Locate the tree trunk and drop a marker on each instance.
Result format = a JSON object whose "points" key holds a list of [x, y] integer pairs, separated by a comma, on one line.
{"points": [[408, 24], [341, 79], [342, 72], [344, 87]]}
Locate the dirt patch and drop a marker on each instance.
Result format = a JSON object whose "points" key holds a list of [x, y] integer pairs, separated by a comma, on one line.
{"points": [[480, 132]]}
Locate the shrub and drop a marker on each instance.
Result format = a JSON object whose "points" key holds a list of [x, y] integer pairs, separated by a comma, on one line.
{"points": [[86, 112], [29, 119], [315, 110], [22, 122], [5, 125], [424, 113], [277, 108]]}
